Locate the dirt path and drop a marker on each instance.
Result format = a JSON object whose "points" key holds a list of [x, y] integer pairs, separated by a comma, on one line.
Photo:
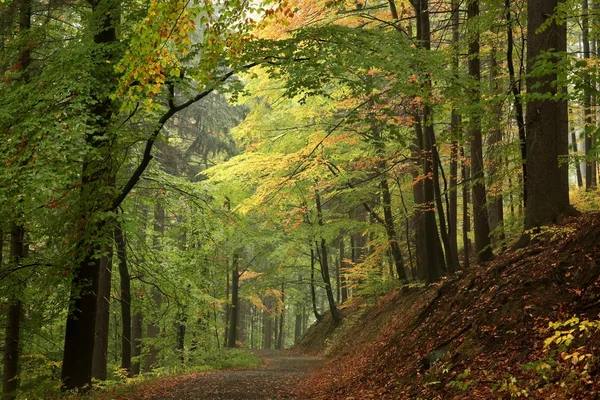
{"points": [[273, 381]]}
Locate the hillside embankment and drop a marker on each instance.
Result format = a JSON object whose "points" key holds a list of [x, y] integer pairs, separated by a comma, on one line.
{"points": [[483, 334]]}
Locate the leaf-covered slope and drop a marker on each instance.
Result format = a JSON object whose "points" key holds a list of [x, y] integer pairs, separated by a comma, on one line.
{"points": [[479, 335]]}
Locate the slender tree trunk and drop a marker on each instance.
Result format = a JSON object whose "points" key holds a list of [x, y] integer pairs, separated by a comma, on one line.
{"points": [[450, 257], [391, 231], [126, 337], [483, 249], [465, 175], [281, 337], [313, 292], [322, 253], [100, 357], [590, 172], [136, 336], [517, 100], [454, 128], [575, 152], [153, 329], [496, 204], [235, 301], [12, 333]]}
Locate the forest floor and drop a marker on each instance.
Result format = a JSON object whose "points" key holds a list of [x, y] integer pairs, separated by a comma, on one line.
{"points": [[274, 380]]}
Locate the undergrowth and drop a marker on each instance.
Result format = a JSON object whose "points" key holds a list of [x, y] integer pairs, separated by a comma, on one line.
{"points": [[119, 386]]}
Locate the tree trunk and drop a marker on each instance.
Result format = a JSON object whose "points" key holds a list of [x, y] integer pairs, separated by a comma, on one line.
{"points": [[517, 101], [424, 124], [590, 173], [465, 175], [575, 152], [281, 337], [126, 338], [322, 253], [496, 205], [97, 176], [100, 357], [136, 336], [153, 329], [12, 333], [313, 293], [483, 249], [455, 129], [235, 301], [547, 122], [391, 231]]}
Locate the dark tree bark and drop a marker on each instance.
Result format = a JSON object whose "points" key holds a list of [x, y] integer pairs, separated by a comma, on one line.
{"points": [[424, 127], [100, 357], [456, 134], [235, 301], [465, 175], [390, 228], [281, 337], [97, 175], [153, 329], [515, 85], [322, 254], [12, 333], [590, 172], [496, 204], [483, 249], [313, 292], [18, 249], [126, 338], [547, 122]]}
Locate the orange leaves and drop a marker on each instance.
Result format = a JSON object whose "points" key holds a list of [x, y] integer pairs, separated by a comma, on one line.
{"points": [[156, 50]]}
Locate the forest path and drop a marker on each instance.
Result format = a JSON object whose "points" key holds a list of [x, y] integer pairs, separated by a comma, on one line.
{"points": [[274, 380]]}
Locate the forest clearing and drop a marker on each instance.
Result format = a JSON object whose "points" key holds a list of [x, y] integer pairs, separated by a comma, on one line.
{"points": [[316, 199]]}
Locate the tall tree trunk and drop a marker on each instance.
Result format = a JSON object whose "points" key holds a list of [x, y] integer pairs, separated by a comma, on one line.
{"points": [[322, 253], [424, 124], [313, 292], [547, 122], [465, 176], [126, 338], [515, 85], [100, 357], [153, 329], [455, 129], [483, 249], [575, 152], [12, 333], [235, 301], [590, 172], [281, 337], [390, 228], [496, 204], [95, 199]]}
